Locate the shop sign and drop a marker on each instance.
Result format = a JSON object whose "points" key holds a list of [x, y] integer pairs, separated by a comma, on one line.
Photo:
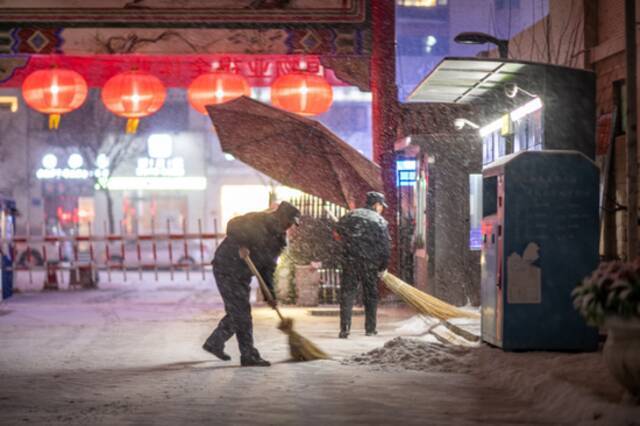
{"points": [[74, 169], [165, 167]]}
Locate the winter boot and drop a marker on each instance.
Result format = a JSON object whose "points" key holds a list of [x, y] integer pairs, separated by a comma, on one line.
{"points": [[216, 349], [254, 361]]}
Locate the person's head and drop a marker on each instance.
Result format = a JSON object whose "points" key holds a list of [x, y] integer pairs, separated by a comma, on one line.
{"points": [[376, 202], [287, 215]]}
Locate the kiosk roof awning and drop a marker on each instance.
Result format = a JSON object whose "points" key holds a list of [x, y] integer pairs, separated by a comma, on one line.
{"points": [[465, 80]]}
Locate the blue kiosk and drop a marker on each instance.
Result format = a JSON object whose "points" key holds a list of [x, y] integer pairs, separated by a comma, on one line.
{"points": [[540, 238], [535, 126]]}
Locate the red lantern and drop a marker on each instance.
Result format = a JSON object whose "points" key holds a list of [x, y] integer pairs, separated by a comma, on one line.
{"points": [[216, 88], [54, 91], [304, 94], [133, 95]]}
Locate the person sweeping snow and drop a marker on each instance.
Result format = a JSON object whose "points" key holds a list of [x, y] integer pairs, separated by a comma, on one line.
{"points": [[366, 245], [263, 234]]}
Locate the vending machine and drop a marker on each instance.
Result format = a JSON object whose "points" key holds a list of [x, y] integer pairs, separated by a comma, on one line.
{"points": [[539, 240], [7, 227]]}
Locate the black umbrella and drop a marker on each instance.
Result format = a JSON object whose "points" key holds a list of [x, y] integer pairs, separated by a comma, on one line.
{"points": [[295, 151]]}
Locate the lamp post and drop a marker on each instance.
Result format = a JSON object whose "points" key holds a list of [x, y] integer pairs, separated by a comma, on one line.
{"points": [[482, 38]]}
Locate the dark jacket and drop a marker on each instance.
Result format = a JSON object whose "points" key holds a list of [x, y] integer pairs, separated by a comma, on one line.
{"points": [[365, 238], [261, 233]]}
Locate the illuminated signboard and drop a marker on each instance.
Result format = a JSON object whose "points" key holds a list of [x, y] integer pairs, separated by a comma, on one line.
{"points": [[406, 172], [160, 163], [131, 183], [160, 171], [74, 169], [165, 167]]}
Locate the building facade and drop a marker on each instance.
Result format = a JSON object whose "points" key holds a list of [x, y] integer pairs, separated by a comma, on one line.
{"points": [[590, 34], [193, 180]]}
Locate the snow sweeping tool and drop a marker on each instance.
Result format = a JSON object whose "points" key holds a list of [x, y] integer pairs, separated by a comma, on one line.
{"points": [[301, 349], [423, 302]]}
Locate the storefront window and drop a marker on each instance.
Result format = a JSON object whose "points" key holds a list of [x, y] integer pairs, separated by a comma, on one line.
{"points": [[421, 207], [475, 211]]}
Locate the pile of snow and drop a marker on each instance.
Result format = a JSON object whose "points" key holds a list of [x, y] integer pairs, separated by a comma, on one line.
{"points": [[413, 354], [416, 325], [430, 329], [574, 388]]}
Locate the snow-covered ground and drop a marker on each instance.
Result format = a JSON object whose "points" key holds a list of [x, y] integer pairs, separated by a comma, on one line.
{"points": [[573, 388], [131, 355]]}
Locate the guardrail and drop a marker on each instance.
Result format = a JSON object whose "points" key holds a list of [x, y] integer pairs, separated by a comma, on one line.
{"points": [[79, 258], [123, 252]]}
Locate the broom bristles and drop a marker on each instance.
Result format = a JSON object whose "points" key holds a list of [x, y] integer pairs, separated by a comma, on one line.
{"points": [[423, 302], [301, 348]]}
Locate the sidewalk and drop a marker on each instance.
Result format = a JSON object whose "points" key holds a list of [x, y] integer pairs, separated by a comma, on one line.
{"points": [[129, 356]]}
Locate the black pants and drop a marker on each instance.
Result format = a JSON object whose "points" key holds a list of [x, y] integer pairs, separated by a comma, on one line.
{"points": [[235, 292], [352, 277]]}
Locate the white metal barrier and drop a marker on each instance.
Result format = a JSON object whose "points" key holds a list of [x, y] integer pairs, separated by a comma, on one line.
{"points": [[122, 253]]}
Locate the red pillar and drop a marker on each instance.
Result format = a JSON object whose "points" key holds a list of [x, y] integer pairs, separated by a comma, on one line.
{"points": [[384, 108]]}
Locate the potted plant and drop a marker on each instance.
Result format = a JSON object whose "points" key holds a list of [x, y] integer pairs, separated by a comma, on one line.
{"points": [[610, 297]]}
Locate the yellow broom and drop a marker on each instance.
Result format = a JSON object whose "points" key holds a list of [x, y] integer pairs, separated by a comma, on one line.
{"points": [[424, 303], [301, 349]]}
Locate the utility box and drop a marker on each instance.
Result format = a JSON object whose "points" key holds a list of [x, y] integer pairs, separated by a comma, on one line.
{"points": [[539, 240]]}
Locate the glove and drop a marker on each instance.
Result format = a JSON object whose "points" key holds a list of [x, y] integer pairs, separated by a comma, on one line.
{"points": [[273, 303], [243, 252], [381, 273]]}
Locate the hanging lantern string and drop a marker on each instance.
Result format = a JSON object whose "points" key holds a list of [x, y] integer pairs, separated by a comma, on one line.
{"points": [[132, 125], [54, 121]]}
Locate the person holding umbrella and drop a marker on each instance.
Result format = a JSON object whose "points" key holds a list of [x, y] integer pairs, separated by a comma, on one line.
{"points": [[366, 246], [264, 234]]}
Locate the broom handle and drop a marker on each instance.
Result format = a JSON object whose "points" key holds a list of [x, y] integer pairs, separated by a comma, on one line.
{"points": [[263, 285]]}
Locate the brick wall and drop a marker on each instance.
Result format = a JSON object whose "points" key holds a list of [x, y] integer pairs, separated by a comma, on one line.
{"points": [[610, 66], [594, 27], [607, 72], [556, 39], [610, 20]]}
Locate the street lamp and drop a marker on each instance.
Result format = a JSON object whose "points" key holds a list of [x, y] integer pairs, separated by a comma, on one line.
{"points": [[461, 123], [512, 89], [481, 38]]}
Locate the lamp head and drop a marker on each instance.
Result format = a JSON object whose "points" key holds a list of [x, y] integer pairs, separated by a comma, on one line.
{"points": [[511, 90], [473, 37], [461, 123]]}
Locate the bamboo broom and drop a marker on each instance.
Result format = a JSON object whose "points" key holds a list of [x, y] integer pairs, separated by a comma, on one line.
{"points": [[424, 303], [301, 349]]}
